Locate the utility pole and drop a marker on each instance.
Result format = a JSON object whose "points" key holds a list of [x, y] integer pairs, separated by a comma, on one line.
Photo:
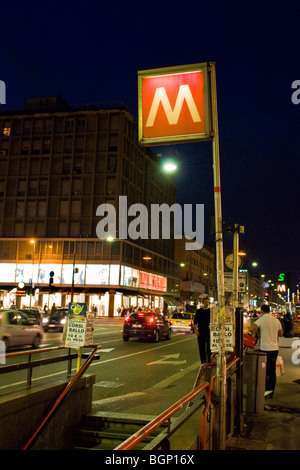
{"points": [[221, 357], [237, 230]]}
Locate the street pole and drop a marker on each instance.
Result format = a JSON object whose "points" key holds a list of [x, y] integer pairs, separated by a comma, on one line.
{"points": [[221, 357], [237, 229], [235, 265]]}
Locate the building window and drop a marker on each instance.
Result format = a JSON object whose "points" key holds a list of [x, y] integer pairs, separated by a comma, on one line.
{"points": [[80, 123], [20, 209], [42, 209], [69, 125], [25, 148], [6, 131], [112, 163], [21, 188], [46, 146], [31, 208], [113, 143], [66, 167], [64, 208]]}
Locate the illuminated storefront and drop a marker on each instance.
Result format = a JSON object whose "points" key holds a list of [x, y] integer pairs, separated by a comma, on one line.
{"points": [[93, 283]]}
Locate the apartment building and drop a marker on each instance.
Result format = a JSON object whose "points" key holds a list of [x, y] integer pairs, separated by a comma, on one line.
{"points": [[58, 164], [198, 272]]}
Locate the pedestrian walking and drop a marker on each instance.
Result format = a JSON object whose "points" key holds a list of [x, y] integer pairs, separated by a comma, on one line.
{"points": [[270, 329], [201, 324]]}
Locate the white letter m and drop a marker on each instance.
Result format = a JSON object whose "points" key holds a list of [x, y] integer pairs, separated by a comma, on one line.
{"points": [[173, 115]]}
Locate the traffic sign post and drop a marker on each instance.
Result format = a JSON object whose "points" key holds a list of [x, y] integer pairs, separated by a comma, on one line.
{"points": [[194, 117], [221, 357], [79, 329]]}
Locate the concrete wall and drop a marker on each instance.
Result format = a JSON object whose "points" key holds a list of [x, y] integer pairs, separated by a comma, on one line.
{"points": [[21, 413]]}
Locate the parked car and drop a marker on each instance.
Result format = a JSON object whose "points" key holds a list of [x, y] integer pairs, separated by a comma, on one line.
{"points": [[56, 320], [146, 325], [183, 321], [17, 329]]}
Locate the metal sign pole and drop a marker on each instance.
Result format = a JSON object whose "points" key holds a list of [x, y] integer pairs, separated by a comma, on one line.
{"points": [[237, 229], [221, 358], [235, 266]]}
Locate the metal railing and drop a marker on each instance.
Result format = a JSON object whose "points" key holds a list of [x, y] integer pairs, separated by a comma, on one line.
{"points": [[60, 399], [209, 401], [209, 389], [31, 364], [140, 435]]}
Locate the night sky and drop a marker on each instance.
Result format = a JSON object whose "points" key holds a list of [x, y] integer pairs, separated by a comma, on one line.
{"points": [[91, 52]]}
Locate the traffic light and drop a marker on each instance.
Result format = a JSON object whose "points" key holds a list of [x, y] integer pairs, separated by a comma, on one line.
{"points": [[51, 287], [266, 296]]}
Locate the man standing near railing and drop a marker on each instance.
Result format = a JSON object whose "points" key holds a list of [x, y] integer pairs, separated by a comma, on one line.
{"points": [[270, 328], [201, 324]]}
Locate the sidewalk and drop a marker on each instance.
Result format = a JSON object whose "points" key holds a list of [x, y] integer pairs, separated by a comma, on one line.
{"points": [[278, 427]]}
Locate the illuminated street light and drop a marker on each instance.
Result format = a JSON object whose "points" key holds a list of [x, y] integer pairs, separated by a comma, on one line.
{"points": [[254, 264], [169, 166]]}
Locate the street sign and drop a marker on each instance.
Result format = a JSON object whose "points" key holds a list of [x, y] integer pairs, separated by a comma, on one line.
{"points": [[89, 334], [215, 337], [228, 282], [174, 104], [79, 327], [77, 309], [75, 332]]}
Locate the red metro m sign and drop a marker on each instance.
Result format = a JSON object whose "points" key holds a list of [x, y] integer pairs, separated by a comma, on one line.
{"points": [[174, 105]]}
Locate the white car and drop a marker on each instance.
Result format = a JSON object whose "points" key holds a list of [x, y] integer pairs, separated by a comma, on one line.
{"points": [[16, 329]]}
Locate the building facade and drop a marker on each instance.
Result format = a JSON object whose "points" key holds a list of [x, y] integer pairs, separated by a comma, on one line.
{"points": [[198, 272], [58, 165]]}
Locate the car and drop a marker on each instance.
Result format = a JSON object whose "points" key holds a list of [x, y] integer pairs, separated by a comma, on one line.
{"points": [[146, 325], [17, 329], [183, 321], [33, 314], [56, 320]]}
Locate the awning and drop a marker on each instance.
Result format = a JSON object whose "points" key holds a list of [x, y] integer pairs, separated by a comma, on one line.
{"points": [[171, 301]]}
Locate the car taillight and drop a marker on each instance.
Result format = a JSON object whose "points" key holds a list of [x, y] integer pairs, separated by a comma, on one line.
{"points": [[140, 314], [190, 323], [151, 320], [171, 323], [126, 318]]}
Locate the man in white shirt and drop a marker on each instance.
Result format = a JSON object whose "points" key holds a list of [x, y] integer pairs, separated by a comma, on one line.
{"points": [[270, 328]]}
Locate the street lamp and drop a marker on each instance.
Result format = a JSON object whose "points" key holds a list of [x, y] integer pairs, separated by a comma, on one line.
{"points": [[169, 166]]}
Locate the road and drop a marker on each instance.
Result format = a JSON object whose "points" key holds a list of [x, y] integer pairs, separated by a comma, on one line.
{"points": [[135, 376]]}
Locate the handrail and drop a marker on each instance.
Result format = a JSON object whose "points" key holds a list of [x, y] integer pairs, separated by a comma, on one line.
{"points": [[208, 387], [60, 399], [34, 351], [140, 435], [37, 363]]}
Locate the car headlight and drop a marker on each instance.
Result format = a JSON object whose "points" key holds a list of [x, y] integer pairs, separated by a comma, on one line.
{"points": [[45, 320], [62, 321]]}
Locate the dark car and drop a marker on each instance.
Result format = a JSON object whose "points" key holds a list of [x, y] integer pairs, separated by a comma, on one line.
{"points": [[33, 314], [146, 325], [56, 320]]}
